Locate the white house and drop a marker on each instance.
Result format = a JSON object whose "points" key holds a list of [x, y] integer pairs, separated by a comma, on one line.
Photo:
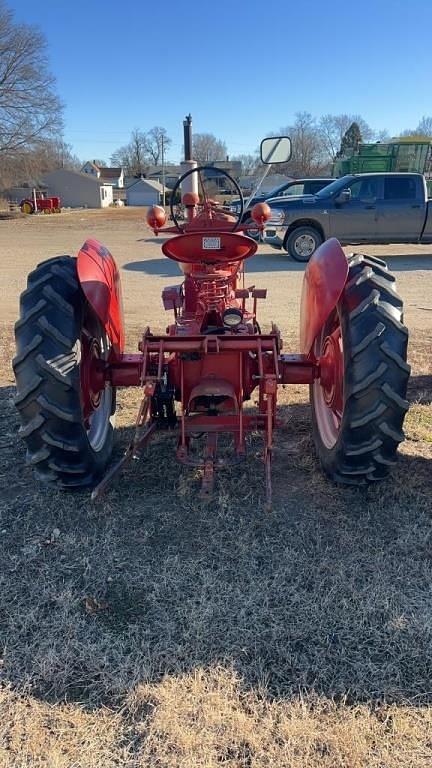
{"points": [[113, 176], [78, 190], [144, 192], [91, 167]]}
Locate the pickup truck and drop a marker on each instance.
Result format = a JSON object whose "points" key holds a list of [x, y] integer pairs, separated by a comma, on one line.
{"points": [[287, 189], [362, 208]]}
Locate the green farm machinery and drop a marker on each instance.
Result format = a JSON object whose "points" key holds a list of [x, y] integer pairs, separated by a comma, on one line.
{"points": [[411, 155]]}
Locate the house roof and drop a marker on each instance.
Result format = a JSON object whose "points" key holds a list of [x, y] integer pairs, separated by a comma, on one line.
{"points": [[93, 165], [87, 176], [170, 170], [147, 183], [110, 173]]}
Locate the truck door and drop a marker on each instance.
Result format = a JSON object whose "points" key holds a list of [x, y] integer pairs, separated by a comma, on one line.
{"points": [[355, 220], [401, 212]]}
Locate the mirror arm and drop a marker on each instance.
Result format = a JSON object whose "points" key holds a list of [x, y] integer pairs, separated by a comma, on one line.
{"points": [[258, 187]]}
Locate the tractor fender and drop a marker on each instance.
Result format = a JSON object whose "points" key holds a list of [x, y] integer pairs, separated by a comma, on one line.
{"points": [[323, 283], [100, 282]]}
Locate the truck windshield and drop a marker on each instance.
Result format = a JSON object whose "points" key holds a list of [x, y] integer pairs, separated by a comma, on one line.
{"points": [[335, 186]]}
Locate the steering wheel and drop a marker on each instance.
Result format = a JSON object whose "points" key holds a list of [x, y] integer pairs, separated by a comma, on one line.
{"points": [[208, 209]]}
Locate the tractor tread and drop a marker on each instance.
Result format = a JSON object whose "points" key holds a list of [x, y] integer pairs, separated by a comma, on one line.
{"points": [[369, 416], [368, 380], [36, 458], [360, 450], [388, 316], [54, 371], [370, 300], [31, 426], [50, 329], [27, 350], [384, 460], [378, 330], [24, 320], [397, 399], [21, 398], [375, 376], [47, 372], [34, 286], [58, 299], [58, 442], [55, 410], [395, 434], [396, 357]]}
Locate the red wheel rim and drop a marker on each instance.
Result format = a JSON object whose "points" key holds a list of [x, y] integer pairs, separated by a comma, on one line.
{"points": [[328, 392], [96, 394]]}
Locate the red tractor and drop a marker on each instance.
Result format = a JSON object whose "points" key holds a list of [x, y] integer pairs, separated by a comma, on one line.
{"points": [[43, 205], [196, 378]]}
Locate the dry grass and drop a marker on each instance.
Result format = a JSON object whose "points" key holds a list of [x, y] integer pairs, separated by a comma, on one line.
{"points": [[153, 630]]}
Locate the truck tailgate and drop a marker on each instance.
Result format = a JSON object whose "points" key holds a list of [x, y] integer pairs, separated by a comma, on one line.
{"points": [[426, 236]]}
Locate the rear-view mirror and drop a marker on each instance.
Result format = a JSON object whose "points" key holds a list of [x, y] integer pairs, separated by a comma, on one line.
{"points": [[276, 149]]}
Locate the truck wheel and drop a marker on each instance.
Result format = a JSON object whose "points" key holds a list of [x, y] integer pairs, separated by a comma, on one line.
{"points": [[302, 242], [358, 403], [67, 427], [252, 230]]}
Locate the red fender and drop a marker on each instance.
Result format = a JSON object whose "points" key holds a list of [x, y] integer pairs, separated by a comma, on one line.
{"points": [[323, 283], [100, 282]]}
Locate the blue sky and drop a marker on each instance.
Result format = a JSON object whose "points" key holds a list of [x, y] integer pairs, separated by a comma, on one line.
{"points": [[241, 68]]}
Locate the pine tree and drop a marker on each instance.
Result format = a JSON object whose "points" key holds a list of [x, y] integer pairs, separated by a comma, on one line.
{"points": [[350, 140]]}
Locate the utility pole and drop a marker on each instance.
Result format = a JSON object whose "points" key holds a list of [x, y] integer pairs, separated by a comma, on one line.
{"points": [[163, 170]]}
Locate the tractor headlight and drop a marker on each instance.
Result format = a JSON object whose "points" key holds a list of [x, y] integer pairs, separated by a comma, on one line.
{"points": [[277, 217], [232, 317]]}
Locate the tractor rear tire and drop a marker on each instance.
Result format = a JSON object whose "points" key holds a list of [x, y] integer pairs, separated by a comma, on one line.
{"points": [[357, 440], [64, 447]]}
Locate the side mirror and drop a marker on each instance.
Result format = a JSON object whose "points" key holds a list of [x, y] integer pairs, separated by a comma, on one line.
{"points": [[275, 150], [343, 197]]}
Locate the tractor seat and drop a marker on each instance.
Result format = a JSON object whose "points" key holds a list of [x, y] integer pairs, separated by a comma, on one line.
{"points": [[209, 247]]}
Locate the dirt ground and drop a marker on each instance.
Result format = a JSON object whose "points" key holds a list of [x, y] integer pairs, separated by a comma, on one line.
{"points": [[153, 630], [145, 270]]}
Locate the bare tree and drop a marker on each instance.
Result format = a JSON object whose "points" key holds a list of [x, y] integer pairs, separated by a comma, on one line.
{"points": [[207, 148], [307, 155], [30, 110], [250, 163], [153, 143], [30, 165], [144, 149], [332, 128], [133, 156], [424, 128]]}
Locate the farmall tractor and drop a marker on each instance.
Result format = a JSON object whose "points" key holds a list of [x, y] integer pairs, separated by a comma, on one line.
{"points": [[196, 378]]}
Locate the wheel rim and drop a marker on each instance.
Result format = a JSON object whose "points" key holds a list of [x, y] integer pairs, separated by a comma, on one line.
{"points": [[96, 394], [328, 388], [304, 246], [99, 421]]}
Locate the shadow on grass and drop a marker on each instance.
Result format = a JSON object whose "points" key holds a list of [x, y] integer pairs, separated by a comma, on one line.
{"points": [[406, 262], [420, 389], [266, 262], [330, 592]]}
